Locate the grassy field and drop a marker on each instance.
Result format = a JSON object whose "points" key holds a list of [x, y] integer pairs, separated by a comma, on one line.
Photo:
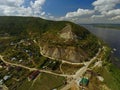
{"points": [[70, 69], [43, 82], [111, 75]]}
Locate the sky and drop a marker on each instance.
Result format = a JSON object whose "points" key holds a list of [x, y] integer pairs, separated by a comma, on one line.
{"points": [[78, 11]]}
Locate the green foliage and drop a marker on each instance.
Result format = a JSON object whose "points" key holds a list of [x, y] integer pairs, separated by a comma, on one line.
{"points": [[43, 82], [80, 31], [112, 77], [23, 25]]}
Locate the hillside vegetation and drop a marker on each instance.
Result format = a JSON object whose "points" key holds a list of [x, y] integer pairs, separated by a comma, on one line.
{"points": [[57, 39]]}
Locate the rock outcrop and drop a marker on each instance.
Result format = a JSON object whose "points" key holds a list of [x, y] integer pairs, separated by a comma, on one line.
{"points": [[70, 53], [63, 52], [67, 34]]}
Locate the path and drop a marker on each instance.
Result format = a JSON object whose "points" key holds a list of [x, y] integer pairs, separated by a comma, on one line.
{"points": [[32, 69], [80, 72]]}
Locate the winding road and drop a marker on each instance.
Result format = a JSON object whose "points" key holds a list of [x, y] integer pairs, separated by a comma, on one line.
{"points": [[80, 73], [74, 77], [32, 69]]}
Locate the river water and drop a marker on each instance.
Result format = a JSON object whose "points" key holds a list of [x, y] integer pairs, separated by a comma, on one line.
{"points": [[110, 36]]}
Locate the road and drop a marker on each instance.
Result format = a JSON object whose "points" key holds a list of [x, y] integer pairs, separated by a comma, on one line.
{"points": [[33, 69], [63, 61], [80, 72], [77, 75]]}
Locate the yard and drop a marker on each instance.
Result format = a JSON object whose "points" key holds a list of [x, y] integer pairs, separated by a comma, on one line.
{"points": [[43, 82]]}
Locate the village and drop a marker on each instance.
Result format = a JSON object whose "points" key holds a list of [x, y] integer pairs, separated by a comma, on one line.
{"points": [[15, 75], [23, 61], [25, 53]]}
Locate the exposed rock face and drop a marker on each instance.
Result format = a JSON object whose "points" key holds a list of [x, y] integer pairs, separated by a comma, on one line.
{"points": [[54, 48], [67, 34], [70, 53]]}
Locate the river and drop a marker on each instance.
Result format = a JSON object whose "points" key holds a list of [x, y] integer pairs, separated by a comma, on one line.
{"points": [[110, 36]]}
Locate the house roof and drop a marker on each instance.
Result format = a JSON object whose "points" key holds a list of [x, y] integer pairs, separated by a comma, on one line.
{"points": [[34, 75], [84, 81]]}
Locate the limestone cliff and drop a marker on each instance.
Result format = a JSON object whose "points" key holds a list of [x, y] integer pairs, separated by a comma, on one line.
{"points": [[65, 45], [67, 34], [70, 53]]}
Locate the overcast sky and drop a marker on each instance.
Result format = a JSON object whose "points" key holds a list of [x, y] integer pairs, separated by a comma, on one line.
{"points": [[79, 11]]}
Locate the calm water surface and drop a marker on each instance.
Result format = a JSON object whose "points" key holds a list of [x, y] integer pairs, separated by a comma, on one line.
{"points": [[110, 36]]}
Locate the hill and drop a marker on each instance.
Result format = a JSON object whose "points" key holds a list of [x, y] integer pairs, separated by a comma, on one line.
{"points": [[55, 38], [53, 55]]}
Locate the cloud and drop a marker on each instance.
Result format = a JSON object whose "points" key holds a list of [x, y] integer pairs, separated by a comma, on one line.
{"points": [[104, 11], [11, 3], [105, 5], [79, 12], [17, 8], [115, 18], [36, 7], [107, 10], [112, 12], [97, 16], [79, 16]]}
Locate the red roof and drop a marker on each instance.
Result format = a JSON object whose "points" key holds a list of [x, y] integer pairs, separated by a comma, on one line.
{"points": [[34, 74]]}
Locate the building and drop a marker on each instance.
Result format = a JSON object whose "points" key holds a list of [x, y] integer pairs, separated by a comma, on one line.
{"points": [[0, 66], [1, 81], [1, 88], [33, 75], [84, 82], [6, 77]]}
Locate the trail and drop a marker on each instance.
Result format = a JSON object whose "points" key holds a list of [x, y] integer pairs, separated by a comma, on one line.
{"points": [[32, 69], [80, 72]]}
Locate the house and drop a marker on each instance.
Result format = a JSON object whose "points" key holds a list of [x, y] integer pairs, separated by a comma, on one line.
{"points": [[1, 88], [3, 65], [33, 75], [88, 74], [18, 69], [84, 82], [1, 81], [12, 43], [9, 68], [6, 77], [20, 60], [12, 59]]}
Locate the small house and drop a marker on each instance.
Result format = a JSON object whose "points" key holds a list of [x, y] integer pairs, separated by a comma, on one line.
{"points": [[84, 82], [33, 75], [1, 81], [6, 77]]}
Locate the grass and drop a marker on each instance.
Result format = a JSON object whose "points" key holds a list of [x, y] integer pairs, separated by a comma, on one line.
{"points": [[70, 69], [110, 81], [111, 76], [43, 82], [94, 84], [108, 71]]}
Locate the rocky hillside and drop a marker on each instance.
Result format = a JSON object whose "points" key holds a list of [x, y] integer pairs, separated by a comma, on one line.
{"points": [[69, 45], [60, 40]]}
